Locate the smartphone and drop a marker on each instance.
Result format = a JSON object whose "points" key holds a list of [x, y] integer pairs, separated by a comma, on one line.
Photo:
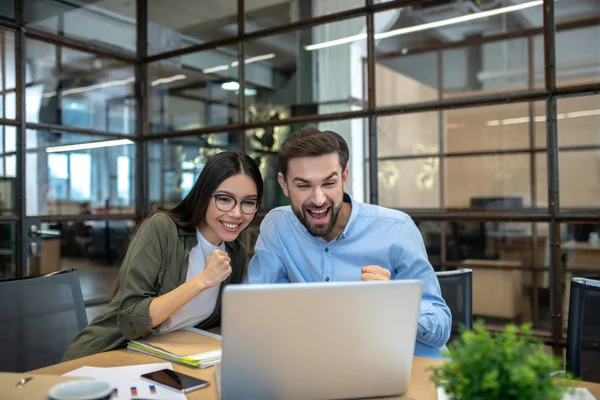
{"points": [[176, 380]]}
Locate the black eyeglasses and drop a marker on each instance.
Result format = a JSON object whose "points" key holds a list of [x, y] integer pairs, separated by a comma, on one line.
{"points": [[226, 203]]}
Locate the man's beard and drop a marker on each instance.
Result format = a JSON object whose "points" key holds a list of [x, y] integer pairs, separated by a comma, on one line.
{"points": [[319, 230]]}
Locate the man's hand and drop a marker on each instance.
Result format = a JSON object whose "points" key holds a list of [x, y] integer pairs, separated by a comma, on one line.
{"points": [[374, 273]]}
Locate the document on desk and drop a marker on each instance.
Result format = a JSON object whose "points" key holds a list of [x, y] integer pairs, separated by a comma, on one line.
{"points": [[192, 347], [127, 382]]}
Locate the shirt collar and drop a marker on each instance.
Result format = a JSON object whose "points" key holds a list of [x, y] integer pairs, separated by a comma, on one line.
{"points": [[353, 215]]}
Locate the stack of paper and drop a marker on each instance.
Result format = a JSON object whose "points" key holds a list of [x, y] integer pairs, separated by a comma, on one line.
{"points": [[192, 347], [127, 382]]}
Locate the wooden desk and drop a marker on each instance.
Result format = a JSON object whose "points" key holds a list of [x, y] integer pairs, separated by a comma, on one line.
{"points": [[420, 386]]}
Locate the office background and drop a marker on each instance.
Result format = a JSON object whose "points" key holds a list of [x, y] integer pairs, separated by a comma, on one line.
{"points": [[479, 118]]}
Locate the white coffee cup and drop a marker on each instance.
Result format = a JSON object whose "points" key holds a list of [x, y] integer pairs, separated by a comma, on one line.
{"points": [[80, 390]]}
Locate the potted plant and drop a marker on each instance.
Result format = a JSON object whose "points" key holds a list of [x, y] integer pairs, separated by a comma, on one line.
{"points": [[508, 365]]}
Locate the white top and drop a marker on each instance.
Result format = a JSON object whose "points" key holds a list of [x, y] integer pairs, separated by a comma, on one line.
{"points": [[202, 306]]}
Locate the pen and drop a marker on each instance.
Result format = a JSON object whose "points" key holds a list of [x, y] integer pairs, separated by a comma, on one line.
{"points": [[24, 381]]}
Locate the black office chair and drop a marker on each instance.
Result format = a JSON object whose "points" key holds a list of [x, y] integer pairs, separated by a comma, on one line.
{"points": [[39, 317], [583, 331], [457, 291]]}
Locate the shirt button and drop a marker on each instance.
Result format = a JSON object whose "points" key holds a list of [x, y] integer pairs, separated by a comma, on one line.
{"points": [[326, 249], [326, 279]]}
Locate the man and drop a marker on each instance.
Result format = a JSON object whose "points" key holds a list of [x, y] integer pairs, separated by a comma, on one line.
{"points": [[325, 235]]}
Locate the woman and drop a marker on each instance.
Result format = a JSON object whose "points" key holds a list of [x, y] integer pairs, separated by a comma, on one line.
{"points": [[177, 263]]}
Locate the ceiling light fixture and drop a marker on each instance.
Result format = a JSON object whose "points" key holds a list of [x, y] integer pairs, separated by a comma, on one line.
{"points": [[429, 25], [230, 86], [87, 146], [168, 80]]}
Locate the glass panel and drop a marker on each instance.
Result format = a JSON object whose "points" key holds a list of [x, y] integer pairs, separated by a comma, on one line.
{"points": [[71, 174], [8, 192], [574, 10], [306, 72], [541, 179], [110, 23], [10, 139], [181, 24], [432, 238], [575, 65], [412, 183], [68, 87], [498, 182], [175, 164], [499, 127], [7, 8], [8, 239], [578, 121], [101, 243], [194, 91], [261, 14], [408, 134], [486, 68], [10, 166], [578, 64], [475, 69], [406, 79], [7, 75], [502, 256], [579, 178]]}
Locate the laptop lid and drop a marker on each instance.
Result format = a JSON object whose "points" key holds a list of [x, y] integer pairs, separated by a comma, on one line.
{"points": [[318, 340]]}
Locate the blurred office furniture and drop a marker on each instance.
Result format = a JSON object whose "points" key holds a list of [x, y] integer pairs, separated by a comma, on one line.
{"points": [[457, 291], [39, 317], [583, 332], [497, 288], [578, 255]]}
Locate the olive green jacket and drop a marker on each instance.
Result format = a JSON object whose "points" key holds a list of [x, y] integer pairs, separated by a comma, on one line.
{"points": [[156, 262]]}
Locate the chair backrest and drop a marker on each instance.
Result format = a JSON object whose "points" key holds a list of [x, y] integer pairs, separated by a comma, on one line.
{"points": [[583, 332], [39, 317], [457, 291]]}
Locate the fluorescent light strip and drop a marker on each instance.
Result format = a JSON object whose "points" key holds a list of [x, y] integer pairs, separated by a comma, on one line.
{"points": [[429, 25], [331, 43], [92, 87], [86, 146], [168, 80], [255, 59], [121, 82], [215, 69], [542, 118], [457, 20], [235, 63]]}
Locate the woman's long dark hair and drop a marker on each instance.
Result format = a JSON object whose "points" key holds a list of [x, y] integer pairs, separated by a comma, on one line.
{"points": [[190, 211]]}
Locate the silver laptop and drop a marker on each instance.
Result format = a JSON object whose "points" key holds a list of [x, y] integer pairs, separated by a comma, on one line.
{"points": [[318, 340]]}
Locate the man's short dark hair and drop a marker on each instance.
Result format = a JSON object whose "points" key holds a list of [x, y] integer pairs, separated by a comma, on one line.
{"points": [[311, 142]]}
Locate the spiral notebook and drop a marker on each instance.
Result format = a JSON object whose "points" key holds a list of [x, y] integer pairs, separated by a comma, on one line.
{"points": [[191, 346]]}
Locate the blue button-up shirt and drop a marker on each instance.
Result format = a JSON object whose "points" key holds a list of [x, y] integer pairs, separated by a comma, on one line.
{"points": [[286, 252]]}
